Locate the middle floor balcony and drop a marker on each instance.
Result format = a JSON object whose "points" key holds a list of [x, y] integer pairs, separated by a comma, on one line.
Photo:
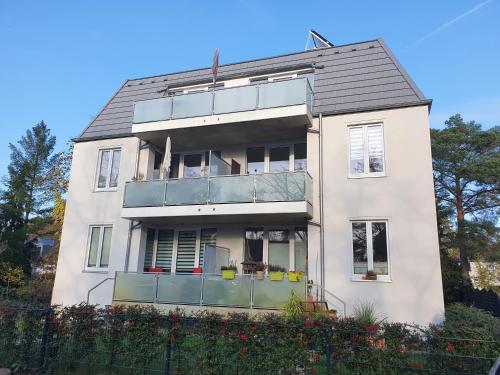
{"points": [[283, 194]]}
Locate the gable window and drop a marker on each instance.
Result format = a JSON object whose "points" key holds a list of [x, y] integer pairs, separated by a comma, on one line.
{"points": [[108, 169], [99, 247], [370, 248], [366, 151]]}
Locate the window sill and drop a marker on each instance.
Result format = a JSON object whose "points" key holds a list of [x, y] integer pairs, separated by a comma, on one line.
{"points": [[358, 176], [105, 190], [385, 279], [95, 270]]}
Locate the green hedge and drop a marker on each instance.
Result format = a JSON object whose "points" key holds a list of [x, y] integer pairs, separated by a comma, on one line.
{"points": [[82, 339]]}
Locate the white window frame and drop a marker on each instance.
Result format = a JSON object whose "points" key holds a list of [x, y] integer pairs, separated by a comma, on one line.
{"points": [[97, 267], [111, 150], [369, 248], [267, 154], [366, 155], [291, 241]]}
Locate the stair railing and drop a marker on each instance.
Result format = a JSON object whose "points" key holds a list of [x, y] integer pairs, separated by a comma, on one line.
{"points": [[319, 292]]}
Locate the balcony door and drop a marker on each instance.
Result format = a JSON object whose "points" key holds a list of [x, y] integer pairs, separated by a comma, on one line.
{"points": [[187, 250]]}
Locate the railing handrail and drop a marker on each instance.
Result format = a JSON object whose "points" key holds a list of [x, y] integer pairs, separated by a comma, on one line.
{"points": [[302, 194], [201, 277], [251, 84], [342, 302], [171, 101], [222, 175]]}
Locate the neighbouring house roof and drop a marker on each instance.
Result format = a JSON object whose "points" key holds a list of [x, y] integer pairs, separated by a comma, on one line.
{"points": [[349, 78]]}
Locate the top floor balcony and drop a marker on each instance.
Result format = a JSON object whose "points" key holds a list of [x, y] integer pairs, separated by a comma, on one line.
{"points": [[291, 99]]}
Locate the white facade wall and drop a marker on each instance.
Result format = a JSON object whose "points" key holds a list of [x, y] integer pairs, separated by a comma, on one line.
{"points": [[404, 197], [86, 207]]}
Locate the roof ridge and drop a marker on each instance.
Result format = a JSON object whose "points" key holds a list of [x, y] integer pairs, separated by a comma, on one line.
{"points": [[252, 60]]}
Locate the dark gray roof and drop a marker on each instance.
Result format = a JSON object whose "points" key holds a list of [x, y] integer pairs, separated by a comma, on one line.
{"points": [[350, 78]]}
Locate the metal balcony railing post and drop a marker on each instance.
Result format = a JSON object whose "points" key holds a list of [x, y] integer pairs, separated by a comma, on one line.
{"points": [[165, 191], [213, 102], [157, 279], [252, 286], [171, 107], [254, 188], [202, 287], [258, 97]]}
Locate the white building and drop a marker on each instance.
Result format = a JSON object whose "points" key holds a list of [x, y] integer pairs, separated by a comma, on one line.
{"points": [[317, 161]]}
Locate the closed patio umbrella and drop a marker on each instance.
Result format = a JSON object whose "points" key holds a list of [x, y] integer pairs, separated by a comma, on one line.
{"points": [[167, 157]]}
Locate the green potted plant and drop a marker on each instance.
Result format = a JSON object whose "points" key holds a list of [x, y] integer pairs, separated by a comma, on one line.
{"points": [[370, 275], [295, 276], [276, 273], [260, 267], [229, 272]]}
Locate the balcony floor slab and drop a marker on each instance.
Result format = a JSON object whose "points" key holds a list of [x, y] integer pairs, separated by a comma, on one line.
{"points": [[223, 212]]}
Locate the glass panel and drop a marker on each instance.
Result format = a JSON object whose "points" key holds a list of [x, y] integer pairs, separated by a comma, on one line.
{"points": [[94, 246], [148, 256], [157, 165], [379, 236], [115, 167], [208, 237], [236, 99], [231, 189], [375, 148], [106, 247], [152, 110], [300, 156], [356, 150], [359, 248], [187, 191], [192, 105], [274, 294], [103, 169], [254, 245], [179, 289], [164, 249], [217, 291], [174, 166], [138, 287], [186, 251], [282, 93], [192, 165], [144, 193], [301, 250], [279, 159], [280, 187], [218, 167], [279, 248], [255, 160]]}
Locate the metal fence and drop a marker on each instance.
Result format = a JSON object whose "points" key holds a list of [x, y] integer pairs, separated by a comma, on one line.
{"points": [[82, 339]]}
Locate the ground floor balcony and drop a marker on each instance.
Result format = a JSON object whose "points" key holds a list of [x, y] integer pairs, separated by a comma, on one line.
{"points": [[244, 291], [285, 193]]}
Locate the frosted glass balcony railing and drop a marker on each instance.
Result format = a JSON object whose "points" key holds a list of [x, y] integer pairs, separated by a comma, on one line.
{"points": [[267, 187], [205, 290], [228, 100]]}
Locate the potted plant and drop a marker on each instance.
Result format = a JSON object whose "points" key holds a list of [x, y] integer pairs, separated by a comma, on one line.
{"points": [[370, 275], [260, 267], [332, 313], [229, 272], [276, 273], [295, 276]]}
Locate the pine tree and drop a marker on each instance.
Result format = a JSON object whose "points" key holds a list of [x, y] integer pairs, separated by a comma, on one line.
{"points": [[466, 161]]}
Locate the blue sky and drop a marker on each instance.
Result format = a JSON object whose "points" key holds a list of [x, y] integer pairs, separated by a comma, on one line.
{"points": [[60, 61]]}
